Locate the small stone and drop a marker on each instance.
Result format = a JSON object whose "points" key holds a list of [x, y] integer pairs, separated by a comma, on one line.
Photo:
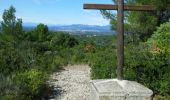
{"points": [[73, 83]]}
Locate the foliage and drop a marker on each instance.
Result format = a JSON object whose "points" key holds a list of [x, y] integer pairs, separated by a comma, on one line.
{"points": [[64, 40], [40, 33], [9, 24], [7, 88], [141, 23], [102, 59], [159, 46], [13, 56], [31, 83], [103, 65], [26, 57], [161, 39], [148, 63]]}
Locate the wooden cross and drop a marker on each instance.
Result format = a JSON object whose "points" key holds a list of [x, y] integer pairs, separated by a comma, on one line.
{"points": [[120, 7]]}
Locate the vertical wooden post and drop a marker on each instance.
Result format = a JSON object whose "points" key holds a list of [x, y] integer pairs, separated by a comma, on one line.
{"points": [[120, 39]]}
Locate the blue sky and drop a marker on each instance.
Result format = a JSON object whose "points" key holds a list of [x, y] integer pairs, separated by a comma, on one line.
{"points": [[56, 12]]}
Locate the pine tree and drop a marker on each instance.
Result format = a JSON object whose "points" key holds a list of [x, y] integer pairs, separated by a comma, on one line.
{"points": [[11, 25]]}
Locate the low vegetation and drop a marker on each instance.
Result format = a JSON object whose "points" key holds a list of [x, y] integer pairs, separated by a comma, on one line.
{"points": [[28, 58]]}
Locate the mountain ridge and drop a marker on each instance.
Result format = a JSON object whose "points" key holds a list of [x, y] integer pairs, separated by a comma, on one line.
{"points": [[75, 28]]}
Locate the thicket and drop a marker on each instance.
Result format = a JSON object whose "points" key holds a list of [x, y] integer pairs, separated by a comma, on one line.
{"points": [[28, 58]]}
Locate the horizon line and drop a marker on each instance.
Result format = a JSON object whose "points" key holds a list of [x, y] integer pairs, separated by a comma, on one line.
{"points": [[48, 24]]}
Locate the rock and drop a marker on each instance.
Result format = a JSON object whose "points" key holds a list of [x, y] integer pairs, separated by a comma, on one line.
{"points": [[113, 89]]}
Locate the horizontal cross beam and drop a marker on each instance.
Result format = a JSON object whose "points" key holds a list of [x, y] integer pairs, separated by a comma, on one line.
{"points": [[115, 7]]}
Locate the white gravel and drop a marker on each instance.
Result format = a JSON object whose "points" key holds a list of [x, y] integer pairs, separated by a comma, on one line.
{"points": [[71, 83]]}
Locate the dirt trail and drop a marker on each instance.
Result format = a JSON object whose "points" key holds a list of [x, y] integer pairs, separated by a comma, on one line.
{"points": [[72, 83]]}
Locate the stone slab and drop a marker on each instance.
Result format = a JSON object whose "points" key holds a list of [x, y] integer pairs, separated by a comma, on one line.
{"points": [[113, 89]]}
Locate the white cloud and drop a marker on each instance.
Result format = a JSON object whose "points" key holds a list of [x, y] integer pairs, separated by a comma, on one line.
{"points": [[94, 17]]}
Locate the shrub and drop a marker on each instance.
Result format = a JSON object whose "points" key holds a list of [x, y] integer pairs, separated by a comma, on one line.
{"points": [[103, 65], [31, 83], [64, 40], [14, 59], [7, 87], [160, 41], [149, 63], [159, 46], [78, 55]]}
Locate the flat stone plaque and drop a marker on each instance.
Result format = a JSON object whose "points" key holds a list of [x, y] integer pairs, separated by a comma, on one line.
{"points": [[113, 89]]}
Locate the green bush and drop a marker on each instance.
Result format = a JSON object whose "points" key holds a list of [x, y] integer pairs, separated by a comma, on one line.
{"points": [[31, 83], [161, 39], [78, 55], [159, 45], [7, 87], [13, 59], [149, 63], [59, 61], [63, 40], [149, 69], [103, 65]]}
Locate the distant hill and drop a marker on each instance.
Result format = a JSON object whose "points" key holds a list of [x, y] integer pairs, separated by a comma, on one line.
{"points": [[77, 29]]}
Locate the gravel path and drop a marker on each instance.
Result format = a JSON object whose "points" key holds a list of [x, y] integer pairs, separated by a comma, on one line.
{"points": [[71, 83]]}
